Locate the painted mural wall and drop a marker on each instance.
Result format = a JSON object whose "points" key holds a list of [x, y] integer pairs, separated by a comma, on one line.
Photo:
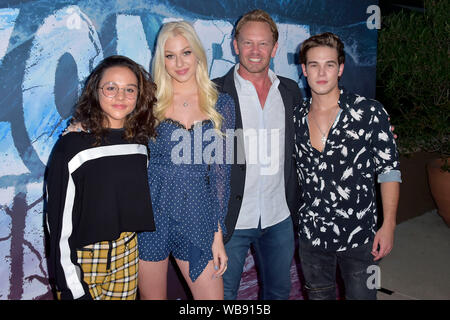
{"points": [[48, 48]]}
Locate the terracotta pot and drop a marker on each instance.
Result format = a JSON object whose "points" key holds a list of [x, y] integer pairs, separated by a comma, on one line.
{"points": [[439, 181]]}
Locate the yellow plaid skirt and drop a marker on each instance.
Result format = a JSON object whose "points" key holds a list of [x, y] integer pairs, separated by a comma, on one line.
{"points": [[111, 268]]}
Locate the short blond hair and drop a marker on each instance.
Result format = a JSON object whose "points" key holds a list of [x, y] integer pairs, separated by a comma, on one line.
{"points": [[257, 15]]}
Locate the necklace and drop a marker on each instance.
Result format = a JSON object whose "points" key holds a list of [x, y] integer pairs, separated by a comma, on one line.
{"points": [[185, 104], [324, 134]]}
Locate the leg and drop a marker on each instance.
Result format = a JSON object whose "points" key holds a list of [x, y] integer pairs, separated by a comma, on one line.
{"points": [[274, 254], [93, 263], [319, 270], [153, 279], [207, 286], [123, 280], [354, 264], [154, 250], [237, 248]]}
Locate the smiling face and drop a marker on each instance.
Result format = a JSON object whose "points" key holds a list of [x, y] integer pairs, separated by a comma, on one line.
{"points": [[179, 59], [322, 70], [117, 108], [255, 47]]}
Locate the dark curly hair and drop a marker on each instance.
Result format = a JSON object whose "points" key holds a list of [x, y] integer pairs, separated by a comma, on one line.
{"points": [[139, 125]]}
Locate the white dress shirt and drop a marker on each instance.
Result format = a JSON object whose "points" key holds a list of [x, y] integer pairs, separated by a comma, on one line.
{"points": [[264, 129]]}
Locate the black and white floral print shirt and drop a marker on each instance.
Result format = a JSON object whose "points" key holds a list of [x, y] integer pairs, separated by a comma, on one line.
{"points": [[339, 209]]}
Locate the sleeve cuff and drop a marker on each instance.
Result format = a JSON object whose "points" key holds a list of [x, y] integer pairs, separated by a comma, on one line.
{"points": [[390, 176]]}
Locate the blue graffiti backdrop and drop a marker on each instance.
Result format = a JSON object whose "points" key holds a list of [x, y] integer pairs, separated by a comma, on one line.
{"points": [[47, 48]]}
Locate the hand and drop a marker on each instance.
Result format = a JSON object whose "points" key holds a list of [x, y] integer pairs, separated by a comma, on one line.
{"points": [[220, 257], [384, 238], [73, 127]]}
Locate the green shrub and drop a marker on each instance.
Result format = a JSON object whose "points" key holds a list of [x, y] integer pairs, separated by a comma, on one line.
{"points": [[413, 76]]}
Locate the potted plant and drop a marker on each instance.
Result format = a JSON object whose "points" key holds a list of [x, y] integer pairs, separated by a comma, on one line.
{"points": [[413, 77]]}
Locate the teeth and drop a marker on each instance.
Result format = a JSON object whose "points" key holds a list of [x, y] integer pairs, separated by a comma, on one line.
{"points": [[254, 60]]}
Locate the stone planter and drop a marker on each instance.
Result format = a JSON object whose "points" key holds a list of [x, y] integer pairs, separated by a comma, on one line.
{"points": [[415, 194]]}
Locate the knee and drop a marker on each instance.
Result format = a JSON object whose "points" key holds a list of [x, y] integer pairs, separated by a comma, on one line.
{"points": [[321, 292]]}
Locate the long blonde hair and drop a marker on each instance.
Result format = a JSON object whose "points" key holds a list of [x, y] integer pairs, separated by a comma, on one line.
{"points": [[207, 91]]}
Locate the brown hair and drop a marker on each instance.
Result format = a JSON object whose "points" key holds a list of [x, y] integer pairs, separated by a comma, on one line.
{"points": [[257, 15], [327, 39], [139, 125]]}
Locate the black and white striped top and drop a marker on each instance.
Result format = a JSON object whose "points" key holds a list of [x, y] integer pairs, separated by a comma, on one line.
{"points": [[93, 194]]}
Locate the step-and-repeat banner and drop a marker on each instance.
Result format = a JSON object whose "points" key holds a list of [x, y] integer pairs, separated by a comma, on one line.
{"points": [[48, 48]]}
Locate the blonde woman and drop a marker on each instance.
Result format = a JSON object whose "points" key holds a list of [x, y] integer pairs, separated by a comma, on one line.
{"points": [[189, 192]]}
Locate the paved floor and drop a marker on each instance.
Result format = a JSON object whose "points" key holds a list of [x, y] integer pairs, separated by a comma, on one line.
{"points": [[418, 268]]}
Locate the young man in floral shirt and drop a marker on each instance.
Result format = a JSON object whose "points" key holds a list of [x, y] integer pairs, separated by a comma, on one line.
{"points": [[342, 143]]}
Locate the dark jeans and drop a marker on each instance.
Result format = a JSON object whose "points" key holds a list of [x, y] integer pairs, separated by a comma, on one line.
{"points": [[274, 251], [319, 269]]}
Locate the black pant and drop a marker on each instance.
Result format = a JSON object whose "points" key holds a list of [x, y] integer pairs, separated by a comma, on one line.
{"points": [[359, 272]]}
